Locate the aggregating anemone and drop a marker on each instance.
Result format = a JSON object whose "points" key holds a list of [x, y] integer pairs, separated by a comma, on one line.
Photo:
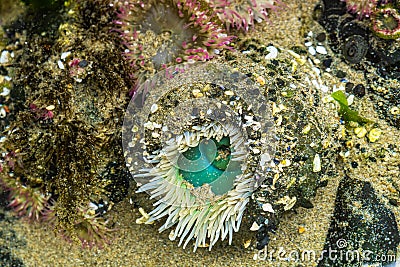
{"points": [[242, 15], [363, 8], [204, 193], [160, 33], [54, 161], [386, 21]]}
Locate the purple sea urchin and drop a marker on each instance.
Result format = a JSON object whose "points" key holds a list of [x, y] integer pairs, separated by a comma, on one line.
{"points": [[242, 14], [161, 33]]}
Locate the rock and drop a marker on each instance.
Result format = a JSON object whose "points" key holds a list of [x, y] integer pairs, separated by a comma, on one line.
{"points": [[361, 226]]}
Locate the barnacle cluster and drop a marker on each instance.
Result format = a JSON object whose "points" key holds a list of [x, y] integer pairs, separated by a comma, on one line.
{"points": [[202, 164]]}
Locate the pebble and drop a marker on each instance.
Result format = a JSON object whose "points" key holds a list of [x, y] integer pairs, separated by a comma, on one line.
{"points": [[359, 90], [5, 57], [306, 129], [268, 207], [321, 37], [261, 80], [350, 99], [149, 125], [349, 86], [312, 51], [64, 55], [154, 108], [360, 132], [288, 202], [340, 74], [321, 50], [374, 135], [327, 62], [324, 88], [395, 110], [286, 162], [5, 91], [83, 63], [50, 107], [197, 94], [273, 52], [155, 135], [317, 163], [354, 164], [254, 227], [316, 70], [3, 112], [60, 64]]}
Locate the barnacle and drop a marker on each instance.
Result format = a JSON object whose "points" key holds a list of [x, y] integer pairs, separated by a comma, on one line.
{"points": [[200, 157]]}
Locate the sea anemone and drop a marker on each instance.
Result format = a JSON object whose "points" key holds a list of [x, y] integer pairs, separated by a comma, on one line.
{"points": [[88, 228], [362, 8], [203, 163], [241, 14], [166, 32], [386, 22], [26, 201]]}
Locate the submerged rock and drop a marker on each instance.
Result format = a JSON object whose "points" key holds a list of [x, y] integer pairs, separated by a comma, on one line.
{"points": [[363, 228]]}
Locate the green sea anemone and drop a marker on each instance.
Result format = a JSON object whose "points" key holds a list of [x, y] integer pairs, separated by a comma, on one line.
{"points": [[198, 140]]}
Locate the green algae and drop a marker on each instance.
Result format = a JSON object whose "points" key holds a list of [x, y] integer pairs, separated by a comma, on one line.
{"points": [[347, 113]]}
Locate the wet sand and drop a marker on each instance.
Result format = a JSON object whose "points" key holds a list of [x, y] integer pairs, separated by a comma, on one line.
{"points": [[142, 245]]}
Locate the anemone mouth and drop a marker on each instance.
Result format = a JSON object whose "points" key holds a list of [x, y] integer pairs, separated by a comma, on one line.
{"points": [[197, 139], [201, 163]]}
